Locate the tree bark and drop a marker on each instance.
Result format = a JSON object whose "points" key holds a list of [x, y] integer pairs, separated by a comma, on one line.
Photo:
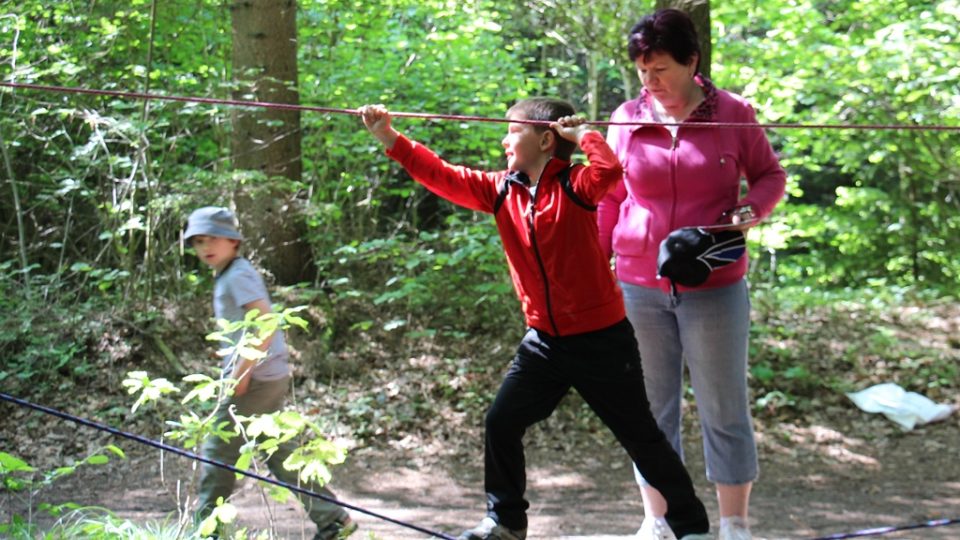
{"points": [[21, 236], [699, 11], [268, 139], [593, 84]]}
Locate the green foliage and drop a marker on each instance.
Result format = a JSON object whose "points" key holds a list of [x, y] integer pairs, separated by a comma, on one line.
{"points": [[25, 482], [874, 206], [574, 53], [450, 282], [93, 523], [49, 346], [149, 389], [244, 338], [810, 347], [224, 514], [85, 162], [411, 56], [101, 524]]}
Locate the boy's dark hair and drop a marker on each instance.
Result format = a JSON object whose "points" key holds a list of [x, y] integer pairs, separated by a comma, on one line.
{"points": [[547, 109], [665, 31]]}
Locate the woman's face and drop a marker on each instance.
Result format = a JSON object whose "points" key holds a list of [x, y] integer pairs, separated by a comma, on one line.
{"points": [[666, 79]]}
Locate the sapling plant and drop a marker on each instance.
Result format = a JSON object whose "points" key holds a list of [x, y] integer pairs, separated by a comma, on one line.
{"points": [[205, 396]]}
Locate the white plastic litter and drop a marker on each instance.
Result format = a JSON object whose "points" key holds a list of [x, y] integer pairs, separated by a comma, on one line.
{"points": [[908, 409]]}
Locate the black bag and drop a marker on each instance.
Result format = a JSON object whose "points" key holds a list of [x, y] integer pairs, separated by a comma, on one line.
{"points": [[688, 255]]}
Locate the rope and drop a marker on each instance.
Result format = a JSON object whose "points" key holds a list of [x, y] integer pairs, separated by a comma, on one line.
{"points": [[172, 449], [464, 118], [887, 530]]}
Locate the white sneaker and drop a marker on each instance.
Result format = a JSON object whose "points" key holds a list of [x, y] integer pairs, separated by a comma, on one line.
{"points": [[655, 528], [731, 530], [488, 529], [697, 536]]}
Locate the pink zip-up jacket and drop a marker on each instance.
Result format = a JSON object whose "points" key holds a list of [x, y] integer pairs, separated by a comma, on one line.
{"points": [[685, 181]]}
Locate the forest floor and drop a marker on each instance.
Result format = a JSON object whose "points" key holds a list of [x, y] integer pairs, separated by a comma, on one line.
{"points": [[833, 469], [816, 481]]}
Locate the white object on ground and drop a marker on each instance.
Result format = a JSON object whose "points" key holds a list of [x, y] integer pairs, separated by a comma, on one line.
{"points": [[907, 409]]}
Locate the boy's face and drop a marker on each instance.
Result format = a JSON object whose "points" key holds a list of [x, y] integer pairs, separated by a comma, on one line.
{"points": [[215, 251], [526, 147]]}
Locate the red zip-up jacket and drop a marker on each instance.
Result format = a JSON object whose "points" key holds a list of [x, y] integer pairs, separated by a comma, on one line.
{"points": [[550, 237]]}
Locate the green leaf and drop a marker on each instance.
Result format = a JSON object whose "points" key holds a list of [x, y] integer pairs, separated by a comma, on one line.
{"points": [[10, 464]]}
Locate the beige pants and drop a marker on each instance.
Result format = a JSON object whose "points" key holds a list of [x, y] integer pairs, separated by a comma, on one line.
{"points": [[262, 397]]}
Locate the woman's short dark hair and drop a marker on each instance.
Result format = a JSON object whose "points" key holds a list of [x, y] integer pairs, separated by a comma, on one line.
{"points": [[547, 109], [665, 31]]}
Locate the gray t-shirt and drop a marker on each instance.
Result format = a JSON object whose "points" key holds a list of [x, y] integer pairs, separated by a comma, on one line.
{"points": [[241, 284]]}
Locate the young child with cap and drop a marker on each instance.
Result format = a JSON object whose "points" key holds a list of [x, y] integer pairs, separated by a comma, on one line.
{"points": [[262, 385]]}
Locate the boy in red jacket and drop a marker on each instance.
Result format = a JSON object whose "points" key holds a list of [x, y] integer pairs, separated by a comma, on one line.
{"points": [[578, 336]]}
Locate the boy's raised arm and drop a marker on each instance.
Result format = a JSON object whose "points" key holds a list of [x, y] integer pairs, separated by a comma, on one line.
{"points": [[604, 171], [470, 188]]}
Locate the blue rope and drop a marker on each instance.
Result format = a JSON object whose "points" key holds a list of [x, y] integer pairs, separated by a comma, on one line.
{"points": [[887, 530], [191, 455]]}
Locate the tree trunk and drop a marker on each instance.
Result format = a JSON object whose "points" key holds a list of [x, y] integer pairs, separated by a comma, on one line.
{"points": [[268, 140], [628, 79], [699, 11], [593, 84], [21, 236]]}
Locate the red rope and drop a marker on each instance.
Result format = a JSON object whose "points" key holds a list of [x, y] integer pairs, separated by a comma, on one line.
{"points": [[462, 118]]}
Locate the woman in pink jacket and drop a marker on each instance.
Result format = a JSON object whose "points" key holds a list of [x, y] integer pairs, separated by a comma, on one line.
{"points": [[689, 175]]}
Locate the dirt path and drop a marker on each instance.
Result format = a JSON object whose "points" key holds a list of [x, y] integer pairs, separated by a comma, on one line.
{"points": [[816, 481], [593, 495]]}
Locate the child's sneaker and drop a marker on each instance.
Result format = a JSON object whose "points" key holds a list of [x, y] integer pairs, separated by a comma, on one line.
{"points": [[488, 529], [655, 528], [337, 530]]}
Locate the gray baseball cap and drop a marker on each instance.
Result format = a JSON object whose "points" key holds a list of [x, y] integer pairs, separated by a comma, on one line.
{"points": [[212, 221]]}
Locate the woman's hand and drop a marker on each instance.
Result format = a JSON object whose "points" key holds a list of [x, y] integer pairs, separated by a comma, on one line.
{"points": [[740, 218]]}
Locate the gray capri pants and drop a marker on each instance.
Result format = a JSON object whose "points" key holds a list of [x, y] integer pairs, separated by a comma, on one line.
{"points": [[708, 331]]}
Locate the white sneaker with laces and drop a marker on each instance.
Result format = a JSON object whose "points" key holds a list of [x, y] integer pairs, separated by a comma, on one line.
{"points": [[655, 528], [734, 530], [488, 529]]}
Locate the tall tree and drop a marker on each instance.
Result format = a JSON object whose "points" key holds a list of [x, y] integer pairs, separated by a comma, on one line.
{"points": [[699, 11], [268, 140]]}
